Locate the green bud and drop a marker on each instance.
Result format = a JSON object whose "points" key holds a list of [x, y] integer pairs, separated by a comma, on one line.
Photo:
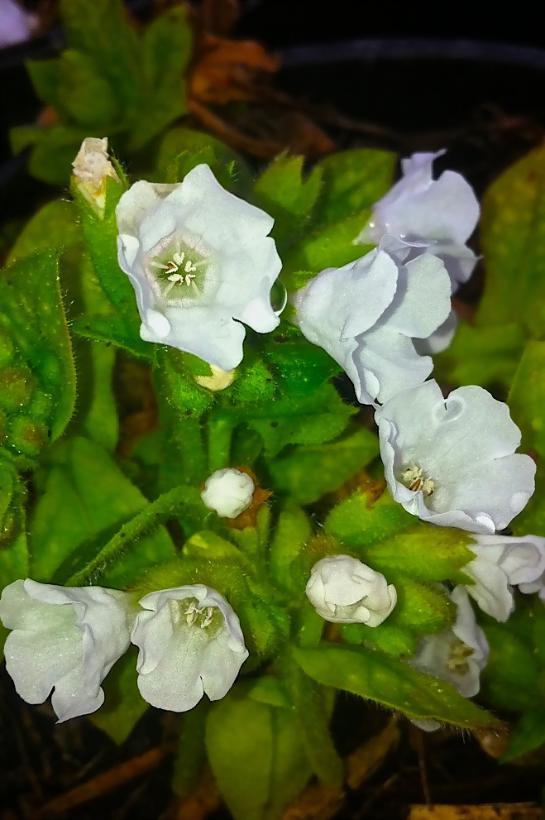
{"points": [[6, 348], [27, 436], [16, 387]]}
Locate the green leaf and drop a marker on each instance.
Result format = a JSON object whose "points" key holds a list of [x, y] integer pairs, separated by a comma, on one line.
{"points": [[52, 226], [183, 148], [13, 538], [257, 756], [299, 367], [83, 94], [528, 734], [513, 246], [100, 29], [330, 246], [165, 53], [527, 404], [123, 704], [54, 150], [283, 192], [420, 608], [390, 638], [353, 181], [308, 473], [424, 552], [310, 704], [37, 376], [527, 397], [485, 355], [293, 530], [314, 419], [367, 516], [391, 683], [85, 500]]}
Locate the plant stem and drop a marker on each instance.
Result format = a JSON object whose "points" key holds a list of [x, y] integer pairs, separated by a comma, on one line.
{"points": [[152, 516]]}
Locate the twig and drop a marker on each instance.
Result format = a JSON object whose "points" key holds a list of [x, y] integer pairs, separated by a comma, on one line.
{"points": [[103, 783]]}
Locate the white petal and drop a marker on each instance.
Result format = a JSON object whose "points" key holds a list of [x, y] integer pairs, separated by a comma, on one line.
{"points": [[392, 358], [64, 638], [439, 339]]}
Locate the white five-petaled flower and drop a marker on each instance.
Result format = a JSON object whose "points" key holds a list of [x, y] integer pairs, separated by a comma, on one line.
{"points": [[502, 562], [228, 492], [201, 263], [367, 314], [190, 644], [452, 461], [457, 655], [344, 590], [422, 214], [66, 639]]}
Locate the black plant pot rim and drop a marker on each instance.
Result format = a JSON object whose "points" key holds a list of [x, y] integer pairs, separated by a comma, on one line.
{"points": [[377, 49]]}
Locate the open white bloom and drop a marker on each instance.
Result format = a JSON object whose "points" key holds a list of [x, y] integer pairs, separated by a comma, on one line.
{"points": [[66, 639], [426, 214], [91, 169], [344, 590], [228, 492], [452, 461], [457, 655], [190, 644], [367, 314], [502, 562], [201, 264]]}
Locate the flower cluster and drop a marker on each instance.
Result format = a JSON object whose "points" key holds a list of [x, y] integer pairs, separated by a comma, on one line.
{"points": [[203, 265], [67, 639]]}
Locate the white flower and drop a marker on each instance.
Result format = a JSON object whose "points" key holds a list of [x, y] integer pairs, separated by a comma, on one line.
{"points": [[426, 214], [502, 562], [452, 461], [228, 492], [66, 639], [201, 264], [91, 169], [344, 590], [456, 655], [190, 644], [366, 315]]}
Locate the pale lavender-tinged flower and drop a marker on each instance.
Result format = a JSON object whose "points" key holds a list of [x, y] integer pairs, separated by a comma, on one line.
{"points": [[347, 591], [457, 655], [16, 24], [201, 263], [190, 643], [502, 562], [228, 492], [435, 215], [367, 314], [64, 639], [452, 461]]}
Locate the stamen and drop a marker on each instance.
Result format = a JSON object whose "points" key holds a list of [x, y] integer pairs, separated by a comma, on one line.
{"points": [[458, 656], [414, 478]]}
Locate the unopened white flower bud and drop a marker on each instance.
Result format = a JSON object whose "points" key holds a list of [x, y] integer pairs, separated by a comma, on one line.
{"points": [[344, 590], [91, 169], [228, 492]]}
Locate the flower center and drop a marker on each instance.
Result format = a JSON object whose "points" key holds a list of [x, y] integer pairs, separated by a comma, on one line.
{"points": [[416, 480], [179, 270], [458, 655], [208, 618]]}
